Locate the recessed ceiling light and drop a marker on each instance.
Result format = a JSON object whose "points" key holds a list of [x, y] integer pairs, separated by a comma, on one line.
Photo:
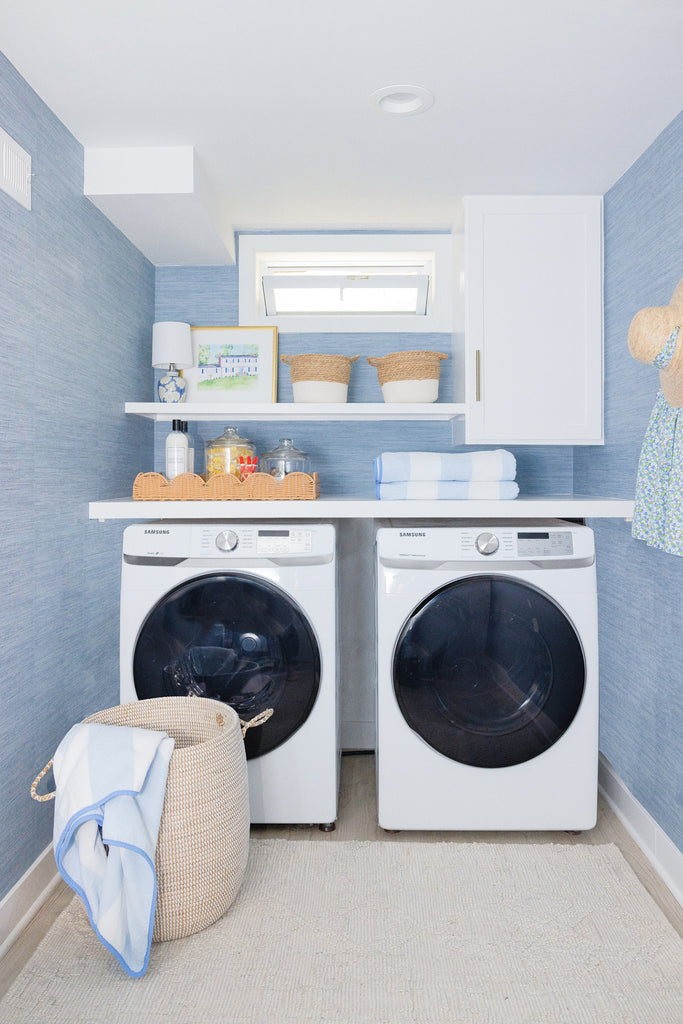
{"points": [[401, 100]]}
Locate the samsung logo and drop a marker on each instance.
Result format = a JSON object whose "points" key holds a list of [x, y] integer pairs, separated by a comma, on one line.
{"points": [[412, 533], [157, 531]]}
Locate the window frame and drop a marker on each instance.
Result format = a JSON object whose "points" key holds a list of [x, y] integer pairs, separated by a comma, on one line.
{"points": [[256, 251]]}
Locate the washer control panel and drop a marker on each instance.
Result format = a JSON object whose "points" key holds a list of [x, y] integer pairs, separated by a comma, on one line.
{"points": [[262, 541], [170, 540]]}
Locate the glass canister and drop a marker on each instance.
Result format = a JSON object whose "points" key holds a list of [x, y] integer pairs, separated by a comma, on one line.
{"points": [[284, 459], [230, 453]]}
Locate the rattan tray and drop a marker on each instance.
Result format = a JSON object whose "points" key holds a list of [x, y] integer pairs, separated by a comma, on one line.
{"points": [[225, 487]]}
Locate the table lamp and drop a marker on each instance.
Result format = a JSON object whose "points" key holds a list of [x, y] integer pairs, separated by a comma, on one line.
{"points": [[171, 351]]}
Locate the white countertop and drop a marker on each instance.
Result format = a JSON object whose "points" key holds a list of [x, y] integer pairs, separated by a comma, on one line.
{"points": [[561, 506]]}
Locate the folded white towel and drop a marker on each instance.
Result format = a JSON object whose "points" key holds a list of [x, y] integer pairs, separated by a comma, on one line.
{"points": [[453, 490], [487, 465], [110, 789]]}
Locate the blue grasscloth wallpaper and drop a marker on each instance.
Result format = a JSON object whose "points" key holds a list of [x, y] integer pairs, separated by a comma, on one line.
{"points": [[76, 307], [640, 588]]}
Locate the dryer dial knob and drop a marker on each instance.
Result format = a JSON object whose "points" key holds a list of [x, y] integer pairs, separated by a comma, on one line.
{"points": [[227, 540], [487, 543]]}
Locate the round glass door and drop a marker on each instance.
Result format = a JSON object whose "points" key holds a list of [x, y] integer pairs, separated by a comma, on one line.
{"points": [[236, 639], [489, 671]]}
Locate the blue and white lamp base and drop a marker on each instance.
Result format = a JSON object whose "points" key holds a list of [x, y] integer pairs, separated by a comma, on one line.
{"points": [[172, 387]]}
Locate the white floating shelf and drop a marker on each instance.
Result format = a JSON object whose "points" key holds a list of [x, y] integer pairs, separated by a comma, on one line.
{"points": [[355, 507], [225, 411]]}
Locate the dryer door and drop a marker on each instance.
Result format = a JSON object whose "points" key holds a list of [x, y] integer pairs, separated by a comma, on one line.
{"points": [[234, 638], [489, 671]]}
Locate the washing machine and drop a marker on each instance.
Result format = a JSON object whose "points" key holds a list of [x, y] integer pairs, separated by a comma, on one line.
{"points": [[245, 614], [487, 689]]}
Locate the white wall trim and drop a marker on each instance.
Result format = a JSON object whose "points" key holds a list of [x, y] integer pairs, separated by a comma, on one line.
{"points": [[26, 897], [663, 854]]}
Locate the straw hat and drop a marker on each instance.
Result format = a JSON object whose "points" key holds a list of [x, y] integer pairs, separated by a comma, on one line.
{"points": [[650, 329]]}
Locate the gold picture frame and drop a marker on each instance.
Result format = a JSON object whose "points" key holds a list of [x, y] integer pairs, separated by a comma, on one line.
{"points": [[233, 365]]}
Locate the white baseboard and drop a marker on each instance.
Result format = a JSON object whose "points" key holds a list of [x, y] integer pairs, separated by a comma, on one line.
{"points": [[663, 854], [26, 897]]}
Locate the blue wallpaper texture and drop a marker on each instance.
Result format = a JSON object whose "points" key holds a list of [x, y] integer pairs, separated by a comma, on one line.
{"points": [[640, 588], [341, 452], [76, 308]]}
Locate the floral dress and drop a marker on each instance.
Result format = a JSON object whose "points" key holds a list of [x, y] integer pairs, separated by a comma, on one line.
{"points": [[658, 511]]}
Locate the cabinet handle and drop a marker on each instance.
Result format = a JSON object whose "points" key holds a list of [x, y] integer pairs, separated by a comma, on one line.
{"points": [[477, 366]]}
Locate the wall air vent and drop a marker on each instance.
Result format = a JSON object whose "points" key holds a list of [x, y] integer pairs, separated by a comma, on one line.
{"points": [[15, 170]]}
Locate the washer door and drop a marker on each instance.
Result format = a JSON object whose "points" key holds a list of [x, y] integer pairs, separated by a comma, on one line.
{"points": [[237, 639], [489, 671]]}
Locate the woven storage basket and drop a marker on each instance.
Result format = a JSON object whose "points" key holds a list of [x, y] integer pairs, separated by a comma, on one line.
{"points": [[203, 840], [409, 376], [319, 377]]}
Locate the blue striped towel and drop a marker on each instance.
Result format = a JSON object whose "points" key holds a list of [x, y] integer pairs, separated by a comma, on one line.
{"points": [[450, 490], [111, 784], [487, 465]]}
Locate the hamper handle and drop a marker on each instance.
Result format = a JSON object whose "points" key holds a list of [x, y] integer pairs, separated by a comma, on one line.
{"points": [[34, 784], [375, 360], [257, 720]]}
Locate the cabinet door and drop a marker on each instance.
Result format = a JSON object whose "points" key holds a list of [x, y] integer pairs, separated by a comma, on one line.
{"points": [[534, 319]]}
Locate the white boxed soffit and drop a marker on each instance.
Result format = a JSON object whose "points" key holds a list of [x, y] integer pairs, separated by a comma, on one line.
{"points": [[160, 200]]}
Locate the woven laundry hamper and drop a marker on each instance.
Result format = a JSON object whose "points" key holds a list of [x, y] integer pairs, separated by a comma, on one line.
{"points": [[409, 376], [319, 377], [203, 841]]}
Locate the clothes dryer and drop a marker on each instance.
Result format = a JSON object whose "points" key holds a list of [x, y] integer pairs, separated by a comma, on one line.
{"points": [[487, 691], [246, 614]]}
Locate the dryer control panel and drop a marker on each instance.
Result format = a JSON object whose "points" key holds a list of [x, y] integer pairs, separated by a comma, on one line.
{"points": [[487, 542]]}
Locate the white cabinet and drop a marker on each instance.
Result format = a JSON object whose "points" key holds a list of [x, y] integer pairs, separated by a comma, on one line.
{"points": [[533, 267]]}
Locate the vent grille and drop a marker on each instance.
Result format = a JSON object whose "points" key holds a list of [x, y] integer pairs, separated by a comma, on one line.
{"points": [[15, 170]]}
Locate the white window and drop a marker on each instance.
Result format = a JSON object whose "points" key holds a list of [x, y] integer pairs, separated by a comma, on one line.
{"points": [[346, 283]]}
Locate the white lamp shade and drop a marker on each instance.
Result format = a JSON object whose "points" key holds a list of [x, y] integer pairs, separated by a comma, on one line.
{"points": [[171, 343]]}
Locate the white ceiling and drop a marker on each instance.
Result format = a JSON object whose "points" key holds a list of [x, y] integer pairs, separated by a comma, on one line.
{"points": [[532, 96]]}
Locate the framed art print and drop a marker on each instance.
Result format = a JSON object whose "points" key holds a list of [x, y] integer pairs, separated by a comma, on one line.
{"points": [[233, 365]]}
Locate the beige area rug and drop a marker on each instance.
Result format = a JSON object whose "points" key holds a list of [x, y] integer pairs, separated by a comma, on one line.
{"points": [[386, 933]]}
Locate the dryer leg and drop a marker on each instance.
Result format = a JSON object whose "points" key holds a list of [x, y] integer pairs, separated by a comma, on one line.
{"points": [[573, 832], [329, 826]]}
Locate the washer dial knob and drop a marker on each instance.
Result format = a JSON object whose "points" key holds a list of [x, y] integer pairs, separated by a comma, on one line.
{"points": [[487, 543], [227, 540]]}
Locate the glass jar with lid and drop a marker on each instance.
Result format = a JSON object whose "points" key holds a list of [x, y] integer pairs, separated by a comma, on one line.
{"points": [[230, 453], [284, 459]]}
